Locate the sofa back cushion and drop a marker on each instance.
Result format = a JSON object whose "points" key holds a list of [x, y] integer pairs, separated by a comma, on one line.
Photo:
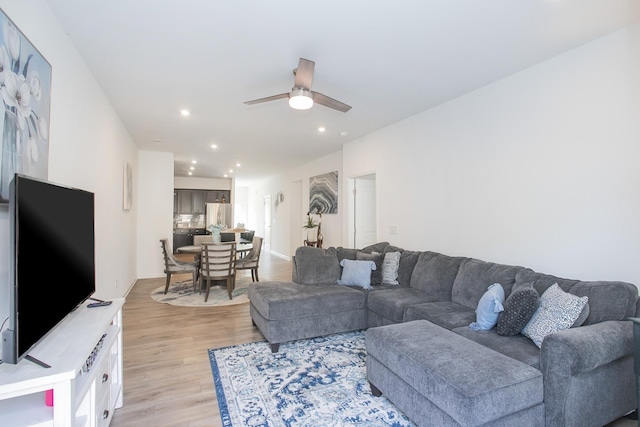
{"points": [[434, 274], [475, 276], [608, 300], [316, 266], [408, 260]]}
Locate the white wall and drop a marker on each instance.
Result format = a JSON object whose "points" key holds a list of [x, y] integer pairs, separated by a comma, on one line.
{"points": [[539, 169], [88, 146], [155, 211], [284, 227]]}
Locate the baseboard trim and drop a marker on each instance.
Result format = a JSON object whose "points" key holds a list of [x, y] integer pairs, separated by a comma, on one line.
{"points": [[280, 255]]}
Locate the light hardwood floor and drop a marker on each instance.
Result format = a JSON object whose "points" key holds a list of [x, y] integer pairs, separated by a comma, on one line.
{"points": [[167, 375]]}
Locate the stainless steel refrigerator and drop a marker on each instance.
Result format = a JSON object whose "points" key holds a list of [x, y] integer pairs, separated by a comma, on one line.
{"points": [[219, 214]]}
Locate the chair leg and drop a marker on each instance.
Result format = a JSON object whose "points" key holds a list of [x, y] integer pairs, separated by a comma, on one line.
{"points": [[229, 285], [166, 287], [256, 270], [195, 280], [206, 294]]}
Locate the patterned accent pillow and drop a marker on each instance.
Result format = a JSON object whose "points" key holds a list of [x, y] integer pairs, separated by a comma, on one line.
{"points": [[378, 259], [518, 310], [390, 267], [558, 310]]}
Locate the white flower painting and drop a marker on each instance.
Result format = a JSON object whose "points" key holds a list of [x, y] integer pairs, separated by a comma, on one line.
{"points": [[25, 88]]}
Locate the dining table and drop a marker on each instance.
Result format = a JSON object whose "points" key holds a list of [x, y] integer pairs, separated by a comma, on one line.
{"points": [[241, 249]]}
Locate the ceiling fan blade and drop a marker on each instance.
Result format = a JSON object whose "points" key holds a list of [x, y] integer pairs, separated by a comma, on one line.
{"points": [[330, 102], [304, 74], [268, 98]]}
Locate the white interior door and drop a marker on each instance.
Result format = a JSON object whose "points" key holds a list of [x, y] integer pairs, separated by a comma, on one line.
{"points": [[296, 233], [364, 211], [267, 223]]}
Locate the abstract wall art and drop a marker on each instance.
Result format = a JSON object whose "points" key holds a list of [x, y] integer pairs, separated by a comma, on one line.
{"points": [[323, 193]]}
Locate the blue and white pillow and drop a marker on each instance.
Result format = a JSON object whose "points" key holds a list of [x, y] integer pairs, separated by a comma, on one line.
{"points": [[356, 273], [489, 308]]}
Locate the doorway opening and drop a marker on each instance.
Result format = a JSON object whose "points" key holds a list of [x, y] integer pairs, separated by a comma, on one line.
{"points": [[363, 225], [267, 223]]}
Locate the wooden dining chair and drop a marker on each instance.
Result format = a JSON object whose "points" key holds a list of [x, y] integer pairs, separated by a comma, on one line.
{"points": [[218, 262], [174, 266], [252, 259]]}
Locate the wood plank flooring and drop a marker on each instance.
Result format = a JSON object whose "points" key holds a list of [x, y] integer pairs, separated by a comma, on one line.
{"points": [[167, 375]]}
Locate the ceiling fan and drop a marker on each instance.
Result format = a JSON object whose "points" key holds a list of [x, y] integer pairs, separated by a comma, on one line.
{"points": [[301, 96]]}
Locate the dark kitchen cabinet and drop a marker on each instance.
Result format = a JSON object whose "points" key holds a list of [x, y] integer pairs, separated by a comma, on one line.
{"points": [[181, 237], [198, 201], [195, 201], [185, 201]]}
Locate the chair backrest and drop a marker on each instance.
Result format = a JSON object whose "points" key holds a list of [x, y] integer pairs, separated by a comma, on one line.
{"points": [[169, 259], [256, 248], [200, 239], [218, 260], [228, 237]]}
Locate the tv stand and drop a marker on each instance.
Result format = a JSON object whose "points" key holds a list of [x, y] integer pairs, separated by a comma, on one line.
{"points": [[80, 398]]}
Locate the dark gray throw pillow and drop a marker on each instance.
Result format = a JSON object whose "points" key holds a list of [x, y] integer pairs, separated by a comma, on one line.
{"points": [[518, 310], [378, 259]]}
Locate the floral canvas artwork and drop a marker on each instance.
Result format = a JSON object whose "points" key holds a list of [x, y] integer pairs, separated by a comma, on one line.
{"points": [[25, 84]]}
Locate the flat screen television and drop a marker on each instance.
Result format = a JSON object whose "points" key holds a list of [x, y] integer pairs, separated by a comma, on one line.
{"points": [[52, 260]]}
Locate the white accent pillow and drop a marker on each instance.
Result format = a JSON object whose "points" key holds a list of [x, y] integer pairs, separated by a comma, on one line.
{"points": [[356, 273], [390, 268], [558, 310]]}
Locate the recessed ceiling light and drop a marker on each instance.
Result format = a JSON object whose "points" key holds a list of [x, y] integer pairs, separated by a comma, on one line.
{"points": [[238, 165], [225, 175], [230, 170], [321, 129], [185, 112], [194, 161], [214, 146], [190, 173], [192, 168]]}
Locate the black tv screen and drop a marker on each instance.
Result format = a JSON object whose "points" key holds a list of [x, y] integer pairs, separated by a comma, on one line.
{"points": [[52, 257]]}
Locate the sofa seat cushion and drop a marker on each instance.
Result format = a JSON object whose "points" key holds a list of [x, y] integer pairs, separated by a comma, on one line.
{"points": [[517, 346], [289, 300], [390, 303], [448, 315], [471, 383]]}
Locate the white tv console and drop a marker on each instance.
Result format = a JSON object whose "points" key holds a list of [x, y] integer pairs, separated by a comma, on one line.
{"points": [[79, 399]]}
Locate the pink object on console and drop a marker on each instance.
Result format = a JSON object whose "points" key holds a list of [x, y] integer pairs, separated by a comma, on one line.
{"points": [[48, 397]]}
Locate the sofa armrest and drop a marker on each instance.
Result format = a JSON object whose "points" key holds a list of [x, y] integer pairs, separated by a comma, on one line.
{"points": [[578, 350], [588, 374]]}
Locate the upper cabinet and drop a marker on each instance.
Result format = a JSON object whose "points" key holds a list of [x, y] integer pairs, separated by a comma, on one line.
{"points": [[199, 200], [195, 201]]}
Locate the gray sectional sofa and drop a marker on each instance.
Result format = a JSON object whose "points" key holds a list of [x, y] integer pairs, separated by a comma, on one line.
{"points": [[424, 357]]}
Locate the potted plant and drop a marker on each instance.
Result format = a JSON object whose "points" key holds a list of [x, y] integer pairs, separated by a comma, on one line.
{"points": [[311, 225]]}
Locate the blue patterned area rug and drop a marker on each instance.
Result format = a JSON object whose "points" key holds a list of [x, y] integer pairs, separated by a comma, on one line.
{"points": [[315, 382]]}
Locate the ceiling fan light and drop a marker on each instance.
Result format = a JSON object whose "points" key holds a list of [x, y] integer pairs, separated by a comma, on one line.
{"points": [[300, 99]]}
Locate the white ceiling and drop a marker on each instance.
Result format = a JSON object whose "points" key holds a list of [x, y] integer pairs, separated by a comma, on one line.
{"points": [[388, 60]]}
